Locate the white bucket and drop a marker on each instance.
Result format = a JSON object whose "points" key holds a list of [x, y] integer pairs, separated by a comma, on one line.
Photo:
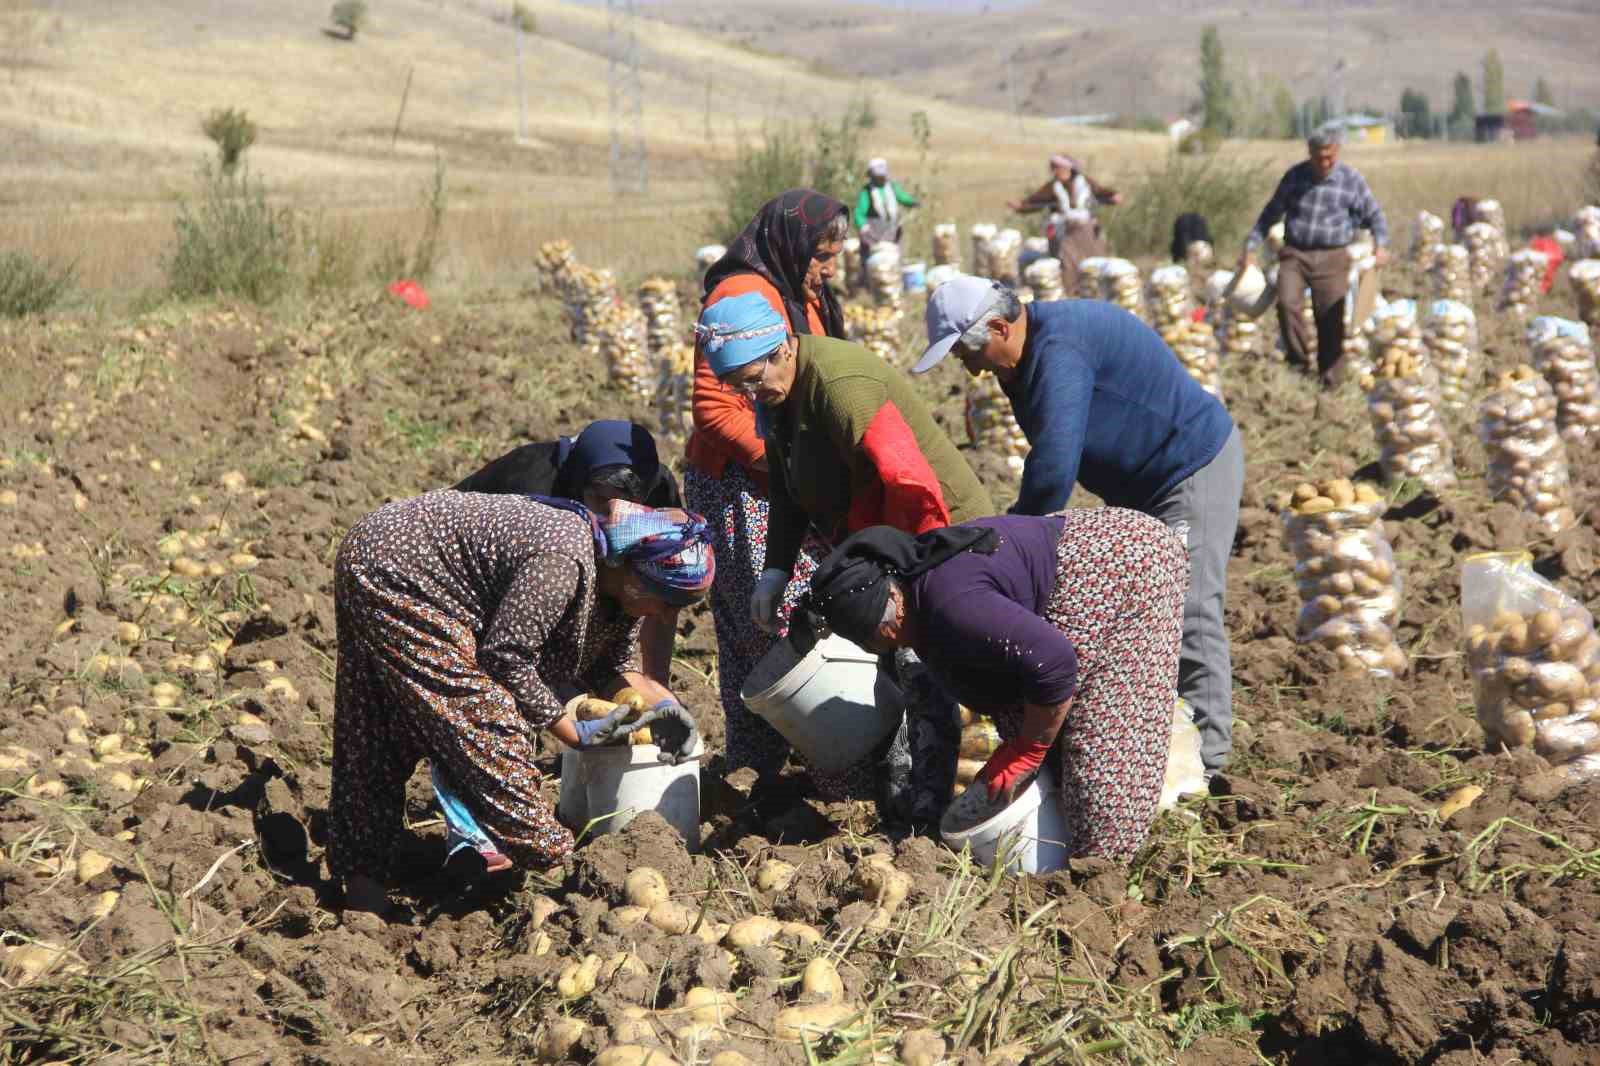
{"points": [[1030, 829], [833, 704], [624, 781], [914, 277]]}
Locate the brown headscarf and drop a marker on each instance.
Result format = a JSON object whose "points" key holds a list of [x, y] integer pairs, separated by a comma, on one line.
{"points": [[778, 245]]}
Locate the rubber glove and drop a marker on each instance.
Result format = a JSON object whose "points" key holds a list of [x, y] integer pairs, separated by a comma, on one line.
{"points": [[598, 732], [1011, 764], [765, 599], [673, 729]]}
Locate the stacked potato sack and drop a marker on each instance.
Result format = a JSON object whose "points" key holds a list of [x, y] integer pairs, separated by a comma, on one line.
{"points": [[946, 245], [675, 392], [1490, 212], [1535, 663], [1486, 254], [1524, 271], [875, 328], [981, 234], [991, 423], [884, 279], [1120, 284], [1199, 258], [1089, 273], [1195, 345], [1344, 567], [1450, 332], [1562, 353], [1584, 275], [1527, 458], [1002, 254], [1450, 277], [1044, 278], [1167, 296], [1403, 401], [1426, 239], [594, 297], [658, 300], [559, 266], [1587, 237], [620, 338]]}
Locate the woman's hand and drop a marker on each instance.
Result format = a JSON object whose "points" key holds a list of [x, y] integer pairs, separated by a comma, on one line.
{"points": [[1018, 758], [613, 727], [673, 730]]}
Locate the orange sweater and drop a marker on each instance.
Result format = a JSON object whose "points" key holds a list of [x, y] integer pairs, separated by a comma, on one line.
{"points": [[724, 420]]}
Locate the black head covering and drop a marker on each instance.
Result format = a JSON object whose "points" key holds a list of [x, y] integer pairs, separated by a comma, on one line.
{"points": [[603, 444], [1186, 229], [850, 590], [778, 244]]}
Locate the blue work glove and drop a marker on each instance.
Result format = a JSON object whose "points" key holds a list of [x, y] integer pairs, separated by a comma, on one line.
{"points": [[673, 730], [599, 732]]}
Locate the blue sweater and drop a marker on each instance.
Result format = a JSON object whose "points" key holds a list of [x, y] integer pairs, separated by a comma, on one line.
{"points": [[1105, 402]]}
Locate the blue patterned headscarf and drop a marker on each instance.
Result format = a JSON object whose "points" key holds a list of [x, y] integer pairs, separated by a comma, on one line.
{"points": [[737, 330], [669, 549]]}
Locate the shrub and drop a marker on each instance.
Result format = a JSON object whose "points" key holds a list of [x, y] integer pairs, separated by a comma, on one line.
{"points": [[350, 16], [232, 242], [31, 286], [1227, 192], [232, 132], [522, 19], [417, 263]]}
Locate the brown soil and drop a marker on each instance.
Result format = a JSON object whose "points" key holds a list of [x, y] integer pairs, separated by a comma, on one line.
{"points": [[1313, 909]]}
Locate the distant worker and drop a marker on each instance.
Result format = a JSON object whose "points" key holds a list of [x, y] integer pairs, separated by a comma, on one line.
{"points": [[1071, 197], [877, 213], [1323, 203]]}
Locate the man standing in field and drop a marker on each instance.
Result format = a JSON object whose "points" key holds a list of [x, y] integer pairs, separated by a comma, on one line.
{"points": [[1323, 203]]}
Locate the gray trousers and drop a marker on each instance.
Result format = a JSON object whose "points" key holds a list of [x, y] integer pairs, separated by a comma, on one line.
{"points": [[1203, 509]]}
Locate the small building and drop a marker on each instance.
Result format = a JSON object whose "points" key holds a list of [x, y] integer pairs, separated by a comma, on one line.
{"points": [[1362, 129], [1522, 118]]}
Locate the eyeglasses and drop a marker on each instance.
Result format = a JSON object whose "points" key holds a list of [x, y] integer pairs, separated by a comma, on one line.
{"points": [[748, 387]]}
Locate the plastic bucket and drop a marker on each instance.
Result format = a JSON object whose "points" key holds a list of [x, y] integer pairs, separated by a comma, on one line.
{"points": [[617, 784], [1029, 834], [914, 277], [832, 703]]}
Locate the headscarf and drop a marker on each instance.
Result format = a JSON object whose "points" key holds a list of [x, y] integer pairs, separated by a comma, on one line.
{"points": [[850, 590], [877, 168], [777, 245], [1063, 162], [738, 330], [603, 444], [669, 549]]}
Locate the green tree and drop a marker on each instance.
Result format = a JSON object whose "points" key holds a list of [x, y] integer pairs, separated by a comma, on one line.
{"points": [[1283, 112], [1464, 109], [1542, 93], [523, 19], [1494, 83], [1216, 92], [232, 132], [349, 16], [1418, 118]]}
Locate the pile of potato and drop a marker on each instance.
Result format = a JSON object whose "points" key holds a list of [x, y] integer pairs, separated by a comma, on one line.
{"points": [[1525, 271], [875, 328], [1195, 345], [1587, 225], [1167, 296], [979, 739], [884, 279], [1120, 284], [990, 422], [1426, 239], [1403, 401], [675, 392], [1044, 278], [1562, 353], [1535, 663], [1527, 458], [1450, 334], [619, 334], [1450, 277], [1344, 567], [658, 300], [981, 234], [1584, 275], [946, 245], [1002, 257], [1486, 254], [593, 708]]}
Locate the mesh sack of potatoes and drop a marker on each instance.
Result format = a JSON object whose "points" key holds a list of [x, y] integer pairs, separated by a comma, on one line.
{"points": [[674, 397], [1586, 233], [1427, 236], [1199, 257], [1527, 459], [991, 425], [1535, 662], [620, 334], [1121, 284], [1044, 278], [1525, 269], [1485, 257], [1450, 277], [980, 235], [1563, 354], [1403, 402], [1002, 254], [1584, 277], [1450, 333], [884, 279], [876, 329], [1089, 272], [1344, 568], [1195, 345], [1490, 213], [946, 244], [848, 276], [594, 298], [658, 300], [940, 274], [1167, 296]]}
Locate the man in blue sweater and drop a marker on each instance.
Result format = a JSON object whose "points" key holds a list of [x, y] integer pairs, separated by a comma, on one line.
{"points": [[1106, 404]]}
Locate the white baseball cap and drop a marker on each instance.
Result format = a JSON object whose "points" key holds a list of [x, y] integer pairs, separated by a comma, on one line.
{"points": [[955, 307]]}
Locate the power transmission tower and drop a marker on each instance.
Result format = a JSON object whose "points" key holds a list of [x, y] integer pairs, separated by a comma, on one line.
{"points": [[629, 163]]}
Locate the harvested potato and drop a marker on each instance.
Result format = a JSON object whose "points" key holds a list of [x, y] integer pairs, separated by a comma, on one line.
{"points": [[1404, 403], [634, 1055], [672, 917], [645, 887], [632, 1026], [579, 978], [800, 933], [729, 1058], [820, 982], [808, 1023], [541, 909], [881, 882], [92, 864], [625, 963], [628, 916], [558, 1039], [754, 932], [708, 1006], [1458, 801], [774, 875]]}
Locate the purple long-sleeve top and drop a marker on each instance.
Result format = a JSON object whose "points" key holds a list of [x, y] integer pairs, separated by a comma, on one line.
{"points": [[980, 618]]}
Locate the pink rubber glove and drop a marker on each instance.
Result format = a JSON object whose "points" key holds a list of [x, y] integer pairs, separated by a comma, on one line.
{"points": [[1011, 763]]}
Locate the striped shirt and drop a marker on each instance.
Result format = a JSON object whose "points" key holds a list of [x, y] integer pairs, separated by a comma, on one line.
{"points": [[1322, 214]]}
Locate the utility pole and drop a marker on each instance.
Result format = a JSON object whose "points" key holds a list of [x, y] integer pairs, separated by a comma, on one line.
{"points": [[629, 162], [522, 99]]}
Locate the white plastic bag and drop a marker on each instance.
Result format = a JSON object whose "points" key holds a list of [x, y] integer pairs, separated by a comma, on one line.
{"points": [[1535, 662], [1186, 774]]}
